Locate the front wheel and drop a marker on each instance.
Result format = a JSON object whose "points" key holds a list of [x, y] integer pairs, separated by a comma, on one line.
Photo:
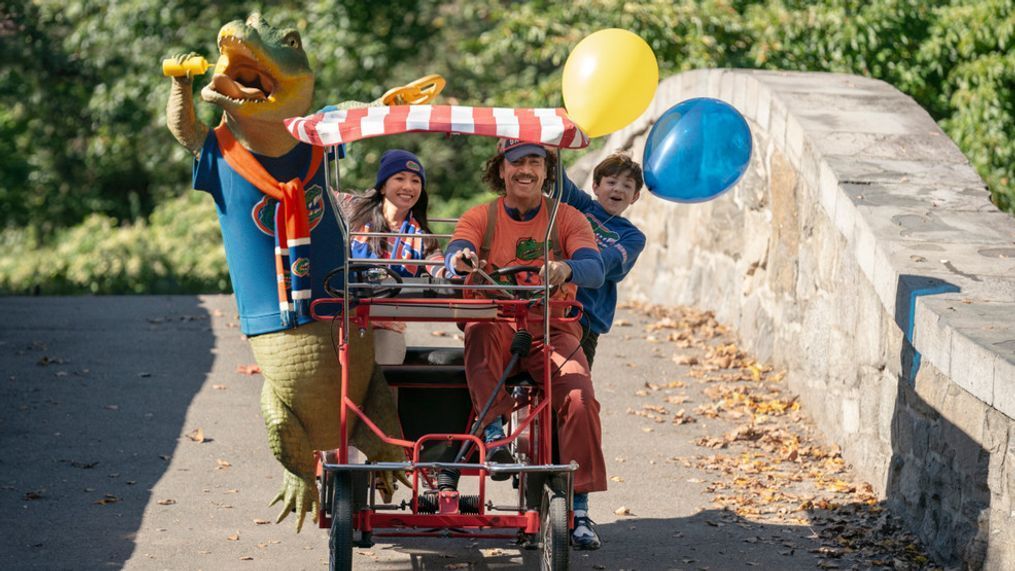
{"points": [[554, 532], [341, 522]]}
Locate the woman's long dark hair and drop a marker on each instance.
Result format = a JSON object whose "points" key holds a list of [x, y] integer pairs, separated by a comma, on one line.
{"points": [[368, 208]]}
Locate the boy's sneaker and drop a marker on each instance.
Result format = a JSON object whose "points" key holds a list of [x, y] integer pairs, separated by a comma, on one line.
{"points": [[585, 536]]}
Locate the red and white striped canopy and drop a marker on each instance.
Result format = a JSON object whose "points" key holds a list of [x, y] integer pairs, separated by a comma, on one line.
{"points": [[550, 127]]}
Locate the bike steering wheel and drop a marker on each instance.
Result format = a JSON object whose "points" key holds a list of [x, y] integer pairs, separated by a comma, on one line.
{"points": [[366, 273], [502, 272]]}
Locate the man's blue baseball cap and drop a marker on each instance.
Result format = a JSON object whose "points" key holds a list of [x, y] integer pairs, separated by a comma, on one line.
{"points": [[513, 149]]}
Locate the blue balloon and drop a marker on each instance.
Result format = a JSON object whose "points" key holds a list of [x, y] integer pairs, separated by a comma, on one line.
{"points": [[698, 149]]}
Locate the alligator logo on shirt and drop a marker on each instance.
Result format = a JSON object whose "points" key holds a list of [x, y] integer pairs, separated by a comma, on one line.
{"points": [[529, 249], [263, 212], [604, 236]]}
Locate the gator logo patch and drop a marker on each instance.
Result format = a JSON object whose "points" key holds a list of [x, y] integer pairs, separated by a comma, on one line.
{"points": [[413, 166], [529, 249], [301, 267], [604, 236], [263, 213]]}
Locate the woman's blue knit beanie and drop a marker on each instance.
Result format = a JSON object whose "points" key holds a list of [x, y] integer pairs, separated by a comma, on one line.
{"points": [[395, 161]]}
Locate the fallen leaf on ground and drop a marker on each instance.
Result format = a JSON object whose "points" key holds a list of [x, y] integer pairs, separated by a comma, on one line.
{"points": [[167, 502], [439, 333], [34, 495], [248, 369], [222, 464], [616, 479], [261, 521], [108, 499], [197, 435], [234, 537], [623, 510], [246, 558], [219, 387]]}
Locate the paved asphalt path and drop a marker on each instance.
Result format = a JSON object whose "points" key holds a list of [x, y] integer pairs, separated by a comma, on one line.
{"points": [[98, 395]]}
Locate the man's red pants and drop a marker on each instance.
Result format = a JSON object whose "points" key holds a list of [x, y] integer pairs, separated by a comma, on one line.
{"points": [[579, 431]]}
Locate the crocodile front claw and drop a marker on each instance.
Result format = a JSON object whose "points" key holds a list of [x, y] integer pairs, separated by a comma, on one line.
{"points": [[297, 495]]}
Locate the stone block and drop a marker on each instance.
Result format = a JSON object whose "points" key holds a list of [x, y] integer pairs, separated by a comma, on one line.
{"points": [[831, 83], [1004, 384], [795, 140], [933, 147], [864, 244], [850, 416], [828, 189], [777, 128], [962, 411], [820, 121], [933, 337], [845, 215], [972, 366], [751, 86], [810, 175], [887, 393], [764, 113], [867, 170], [713, 83], [727, 86]]}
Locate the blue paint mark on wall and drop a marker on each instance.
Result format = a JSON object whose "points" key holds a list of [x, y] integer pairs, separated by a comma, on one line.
{"points": [[909, 289]]}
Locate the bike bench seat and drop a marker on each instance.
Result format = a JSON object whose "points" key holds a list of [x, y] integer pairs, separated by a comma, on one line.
{"points": [[438, 365]]}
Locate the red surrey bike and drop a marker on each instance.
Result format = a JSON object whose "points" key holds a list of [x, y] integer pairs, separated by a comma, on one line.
{"points": [[439, 423]]}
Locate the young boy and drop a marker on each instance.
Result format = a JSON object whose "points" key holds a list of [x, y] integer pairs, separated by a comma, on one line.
{"points": [[616, 182]]}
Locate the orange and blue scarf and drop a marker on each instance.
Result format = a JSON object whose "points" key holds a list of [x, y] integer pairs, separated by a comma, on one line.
{"points": [[292, 223]]}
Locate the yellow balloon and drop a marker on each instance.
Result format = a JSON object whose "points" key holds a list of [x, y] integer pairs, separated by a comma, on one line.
{"points": [[609, 80]]}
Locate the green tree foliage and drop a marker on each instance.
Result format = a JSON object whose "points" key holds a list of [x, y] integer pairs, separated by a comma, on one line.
{"points": [[93, 185]]}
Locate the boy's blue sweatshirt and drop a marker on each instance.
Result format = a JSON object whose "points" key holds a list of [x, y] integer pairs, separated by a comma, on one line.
{"points": [[620, 244]]}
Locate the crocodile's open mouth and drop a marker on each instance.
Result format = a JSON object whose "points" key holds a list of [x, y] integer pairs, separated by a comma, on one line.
{"points": [[244, 79]]}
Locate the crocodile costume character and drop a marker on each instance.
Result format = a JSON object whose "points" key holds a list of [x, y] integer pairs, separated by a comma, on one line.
{"points": [[262, 77]]}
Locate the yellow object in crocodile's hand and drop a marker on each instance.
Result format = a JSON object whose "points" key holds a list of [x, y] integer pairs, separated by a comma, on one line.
{"points": [[194, 65], [423, 90]]}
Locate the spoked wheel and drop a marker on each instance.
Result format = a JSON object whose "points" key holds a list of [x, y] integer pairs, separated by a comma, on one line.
{"points": [[554, 531], [341, 522]]}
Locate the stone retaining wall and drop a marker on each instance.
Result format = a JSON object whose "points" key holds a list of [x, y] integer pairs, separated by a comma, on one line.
{"points": [[861, 252]]}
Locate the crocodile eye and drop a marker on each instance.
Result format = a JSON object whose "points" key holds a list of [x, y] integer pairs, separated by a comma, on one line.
{"points": [[292, 40]]}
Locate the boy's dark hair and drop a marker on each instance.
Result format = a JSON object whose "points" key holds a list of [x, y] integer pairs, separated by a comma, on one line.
{"points": [[491, 173], [618, 164]]}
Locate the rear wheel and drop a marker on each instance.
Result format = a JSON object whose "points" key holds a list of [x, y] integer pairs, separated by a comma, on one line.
{"points": [[341, 522], [554, 532]]}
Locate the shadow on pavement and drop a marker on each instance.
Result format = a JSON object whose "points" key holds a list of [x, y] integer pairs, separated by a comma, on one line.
{"points": [[93, 400], [711, 539]]}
